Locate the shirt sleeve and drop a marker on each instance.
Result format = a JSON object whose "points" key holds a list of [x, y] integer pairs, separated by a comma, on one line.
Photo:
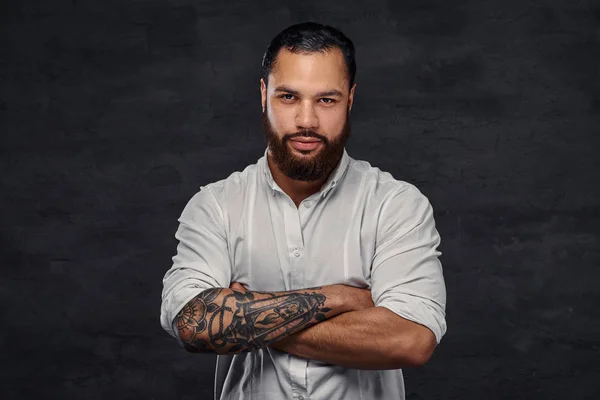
{"points": [[202, 259], [406, 273]]}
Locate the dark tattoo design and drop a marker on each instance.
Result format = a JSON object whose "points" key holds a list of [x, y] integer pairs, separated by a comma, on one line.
{"points": [[239, 322]]}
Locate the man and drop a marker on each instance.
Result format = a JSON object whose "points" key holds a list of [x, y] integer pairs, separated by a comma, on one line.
{"points": [[312, 275]]}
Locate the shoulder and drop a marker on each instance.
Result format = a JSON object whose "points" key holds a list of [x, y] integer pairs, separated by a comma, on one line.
{"points": [[382, 187], [220, 198], [230, 188], [396, 206]]}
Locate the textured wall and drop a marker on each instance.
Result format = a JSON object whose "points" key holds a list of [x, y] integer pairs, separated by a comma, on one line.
{"points": [[113, 113]]}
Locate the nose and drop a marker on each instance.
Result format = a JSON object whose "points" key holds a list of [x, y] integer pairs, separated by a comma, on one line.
{"points": [[307, 117]]}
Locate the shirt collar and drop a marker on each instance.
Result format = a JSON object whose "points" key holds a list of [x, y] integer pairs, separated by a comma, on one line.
{"points": [[334, 178]]}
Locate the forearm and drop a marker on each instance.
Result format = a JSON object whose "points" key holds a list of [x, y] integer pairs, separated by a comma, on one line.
{"points": [[374, 338], [228, 321]]}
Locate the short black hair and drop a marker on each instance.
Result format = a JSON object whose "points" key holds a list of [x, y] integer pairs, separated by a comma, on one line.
{"points": [[310, 37]]}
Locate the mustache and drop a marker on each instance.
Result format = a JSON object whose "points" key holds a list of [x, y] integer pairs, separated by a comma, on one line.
{"points": [[306, 134]]}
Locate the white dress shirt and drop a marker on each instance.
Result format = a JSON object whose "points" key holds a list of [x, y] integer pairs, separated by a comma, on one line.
{"points": [[363, 228]]}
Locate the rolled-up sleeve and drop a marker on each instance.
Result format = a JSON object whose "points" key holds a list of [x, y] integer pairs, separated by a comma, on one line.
{"points": [[406, 272], [202, 259]]}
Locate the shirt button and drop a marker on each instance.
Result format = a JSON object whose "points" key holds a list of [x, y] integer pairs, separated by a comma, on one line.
{"points": [[307, 204], [296, 253], [300, 398]]}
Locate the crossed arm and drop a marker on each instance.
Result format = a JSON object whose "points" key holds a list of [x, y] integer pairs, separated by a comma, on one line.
{"points": [[374, 338], [337, 324]]}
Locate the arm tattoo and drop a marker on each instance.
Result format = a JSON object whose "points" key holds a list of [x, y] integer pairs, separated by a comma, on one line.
{"points": [[239, 322]]}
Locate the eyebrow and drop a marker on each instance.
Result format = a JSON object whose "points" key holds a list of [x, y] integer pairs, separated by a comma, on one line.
{"points": [[327, 93]]}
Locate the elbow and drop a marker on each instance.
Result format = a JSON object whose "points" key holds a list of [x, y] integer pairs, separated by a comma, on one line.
{"points": [[190, 348], [420, 355], [415, 351], [412, 357], [192, 343]]}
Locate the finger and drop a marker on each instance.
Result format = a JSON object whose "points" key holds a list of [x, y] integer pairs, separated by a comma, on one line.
{"points": [[237, 286]]}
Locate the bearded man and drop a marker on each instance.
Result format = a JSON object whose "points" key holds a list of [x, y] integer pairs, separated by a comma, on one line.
{"points": [[310, 274]]}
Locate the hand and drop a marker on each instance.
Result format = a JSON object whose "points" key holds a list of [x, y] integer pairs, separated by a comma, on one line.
{"points": [[238, 286], [357, 298], [352, 298]]}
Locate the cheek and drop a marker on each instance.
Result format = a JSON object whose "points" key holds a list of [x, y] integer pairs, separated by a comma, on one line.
{"points": [[332, 121], [282, 120]]}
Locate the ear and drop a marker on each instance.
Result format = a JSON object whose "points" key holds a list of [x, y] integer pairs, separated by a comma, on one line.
{"points": [[351, 97], [263, 94]]}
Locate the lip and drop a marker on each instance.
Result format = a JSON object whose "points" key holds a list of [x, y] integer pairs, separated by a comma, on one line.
{"points": [[308, 145]]}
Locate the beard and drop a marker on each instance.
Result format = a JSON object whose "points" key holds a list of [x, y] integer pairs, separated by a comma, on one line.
{"points": [[312, 167]]}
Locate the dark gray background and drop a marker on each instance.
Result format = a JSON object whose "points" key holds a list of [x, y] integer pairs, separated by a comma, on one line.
{"points": [[113, 113]]}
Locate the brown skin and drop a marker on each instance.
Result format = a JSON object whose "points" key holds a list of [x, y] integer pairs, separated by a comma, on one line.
{"points": [[374, 338], [230, 321], [307, 95], [367, 337], [294, 105]]}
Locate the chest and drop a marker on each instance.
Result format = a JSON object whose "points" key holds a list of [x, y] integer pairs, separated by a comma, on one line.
{"points": [[278, 247]]}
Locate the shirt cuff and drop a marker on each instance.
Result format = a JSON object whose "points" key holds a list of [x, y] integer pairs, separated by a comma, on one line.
{"points": [[173, 303], [421, 311]]}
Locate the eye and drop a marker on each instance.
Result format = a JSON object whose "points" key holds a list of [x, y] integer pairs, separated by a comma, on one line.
{"points": [[328, 101], [287, 97]]}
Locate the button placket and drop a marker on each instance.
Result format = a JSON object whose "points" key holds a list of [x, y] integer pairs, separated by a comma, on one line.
{"points": [[298, 375], [295, 244]]}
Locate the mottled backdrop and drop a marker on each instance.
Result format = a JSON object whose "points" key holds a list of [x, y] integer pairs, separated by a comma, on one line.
{"points": [[113, 113]]}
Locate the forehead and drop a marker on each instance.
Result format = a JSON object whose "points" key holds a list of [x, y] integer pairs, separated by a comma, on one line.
{"points": [[310, 71]]}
